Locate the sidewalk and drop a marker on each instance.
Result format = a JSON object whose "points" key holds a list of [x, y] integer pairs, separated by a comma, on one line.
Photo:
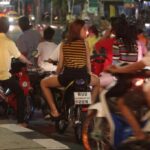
{"points": [[14, 137]]}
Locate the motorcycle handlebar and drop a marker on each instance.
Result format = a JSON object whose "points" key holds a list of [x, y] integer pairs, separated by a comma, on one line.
{"points": [[35, 69], [51, 61]]}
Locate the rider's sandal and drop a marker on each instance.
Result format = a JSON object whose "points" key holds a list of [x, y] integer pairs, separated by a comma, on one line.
{"points": [[55, 118]]}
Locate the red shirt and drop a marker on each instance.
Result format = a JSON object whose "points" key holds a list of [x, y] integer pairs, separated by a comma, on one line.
{"points": [[108, 45]]}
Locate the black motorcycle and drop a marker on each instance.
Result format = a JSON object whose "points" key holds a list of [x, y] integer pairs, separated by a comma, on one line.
{"points": [[72, 104]]}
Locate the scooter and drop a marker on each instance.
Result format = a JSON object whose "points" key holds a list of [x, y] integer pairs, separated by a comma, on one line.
{"points": [[18, 70], [104, 127]]}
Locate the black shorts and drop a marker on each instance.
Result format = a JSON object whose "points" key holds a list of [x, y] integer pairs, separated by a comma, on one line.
{"points": [[70, 74], [120, 89]]}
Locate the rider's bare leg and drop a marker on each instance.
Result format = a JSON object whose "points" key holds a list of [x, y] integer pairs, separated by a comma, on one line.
{"points": [[148, 98], [129, 116], [46, 84], [95, 83]]}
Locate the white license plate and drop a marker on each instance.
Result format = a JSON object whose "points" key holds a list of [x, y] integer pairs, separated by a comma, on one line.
{"points": [[82, 98]]}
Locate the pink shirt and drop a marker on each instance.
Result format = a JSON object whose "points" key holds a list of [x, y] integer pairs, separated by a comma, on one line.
{"points": [[142, 50]]}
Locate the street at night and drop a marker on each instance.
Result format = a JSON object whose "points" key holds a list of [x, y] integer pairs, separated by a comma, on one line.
{"points": [[74, 74]]}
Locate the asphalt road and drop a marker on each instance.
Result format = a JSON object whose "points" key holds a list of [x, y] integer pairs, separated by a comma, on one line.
{"points": [[40, 131], [47, 128]]}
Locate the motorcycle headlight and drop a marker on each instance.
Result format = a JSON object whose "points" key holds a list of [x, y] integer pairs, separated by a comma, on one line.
{"points": [[32, 18], [147, 25], [10, 19]]}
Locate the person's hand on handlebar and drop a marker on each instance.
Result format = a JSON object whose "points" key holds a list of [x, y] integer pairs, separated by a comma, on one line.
{"points": [[23, 59]]}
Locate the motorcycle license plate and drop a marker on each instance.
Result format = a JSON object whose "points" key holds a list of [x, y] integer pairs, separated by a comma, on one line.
{"points": [[82, 98]]}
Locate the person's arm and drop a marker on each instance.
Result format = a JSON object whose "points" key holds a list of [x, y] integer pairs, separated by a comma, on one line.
{"points": [[61, 61], [25, 60], [88, 63], [131, 67], [129, 116], [127, 69]]}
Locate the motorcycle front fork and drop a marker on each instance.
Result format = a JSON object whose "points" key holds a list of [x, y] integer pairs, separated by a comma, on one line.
{"points": [[75, 115]]}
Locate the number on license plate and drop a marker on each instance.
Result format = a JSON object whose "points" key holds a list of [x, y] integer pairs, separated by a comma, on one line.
{"points": [[82, 98]]}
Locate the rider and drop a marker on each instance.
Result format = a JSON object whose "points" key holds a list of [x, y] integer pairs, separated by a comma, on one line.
{"points": [[8, 50], [125, 48], [126, 51], [121, 104], [93, 37], [28, 41], [46, 48], [74, 63], [54, 57]]}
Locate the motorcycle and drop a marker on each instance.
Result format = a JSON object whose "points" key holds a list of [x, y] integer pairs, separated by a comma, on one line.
{"points": [[3, 102], [36, 74], [8, 98], [72, 103], [105, 128]]}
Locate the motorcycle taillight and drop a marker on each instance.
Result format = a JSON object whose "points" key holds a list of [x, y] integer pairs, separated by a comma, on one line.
{"points": [[84, 109]]}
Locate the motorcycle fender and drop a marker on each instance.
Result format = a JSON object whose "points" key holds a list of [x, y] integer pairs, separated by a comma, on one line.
{"points": [[147, 127], [99, 108]]}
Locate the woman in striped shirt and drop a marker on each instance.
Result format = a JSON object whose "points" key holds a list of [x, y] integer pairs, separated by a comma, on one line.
{"points": [[74, 63]]}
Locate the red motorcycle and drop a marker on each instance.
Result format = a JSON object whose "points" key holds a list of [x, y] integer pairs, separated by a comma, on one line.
{"points": [[8, 98]]}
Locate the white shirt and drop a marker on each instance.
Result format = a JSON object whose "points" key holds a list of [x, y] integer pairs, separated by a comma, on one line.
{"points": [[45, 49], [55, 55]]}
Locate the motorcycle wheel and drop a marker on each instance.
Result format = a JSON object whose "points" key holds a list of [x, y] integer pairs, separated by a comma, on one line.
{"points": [[78, 132], [61, 126], [78, 124], [93, 138], [3, 108], [29, 109]]}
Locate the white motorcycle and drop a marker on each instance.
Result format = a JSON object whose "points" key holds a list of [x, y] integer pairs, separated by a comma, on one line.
{"points": [[104, 127]]}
